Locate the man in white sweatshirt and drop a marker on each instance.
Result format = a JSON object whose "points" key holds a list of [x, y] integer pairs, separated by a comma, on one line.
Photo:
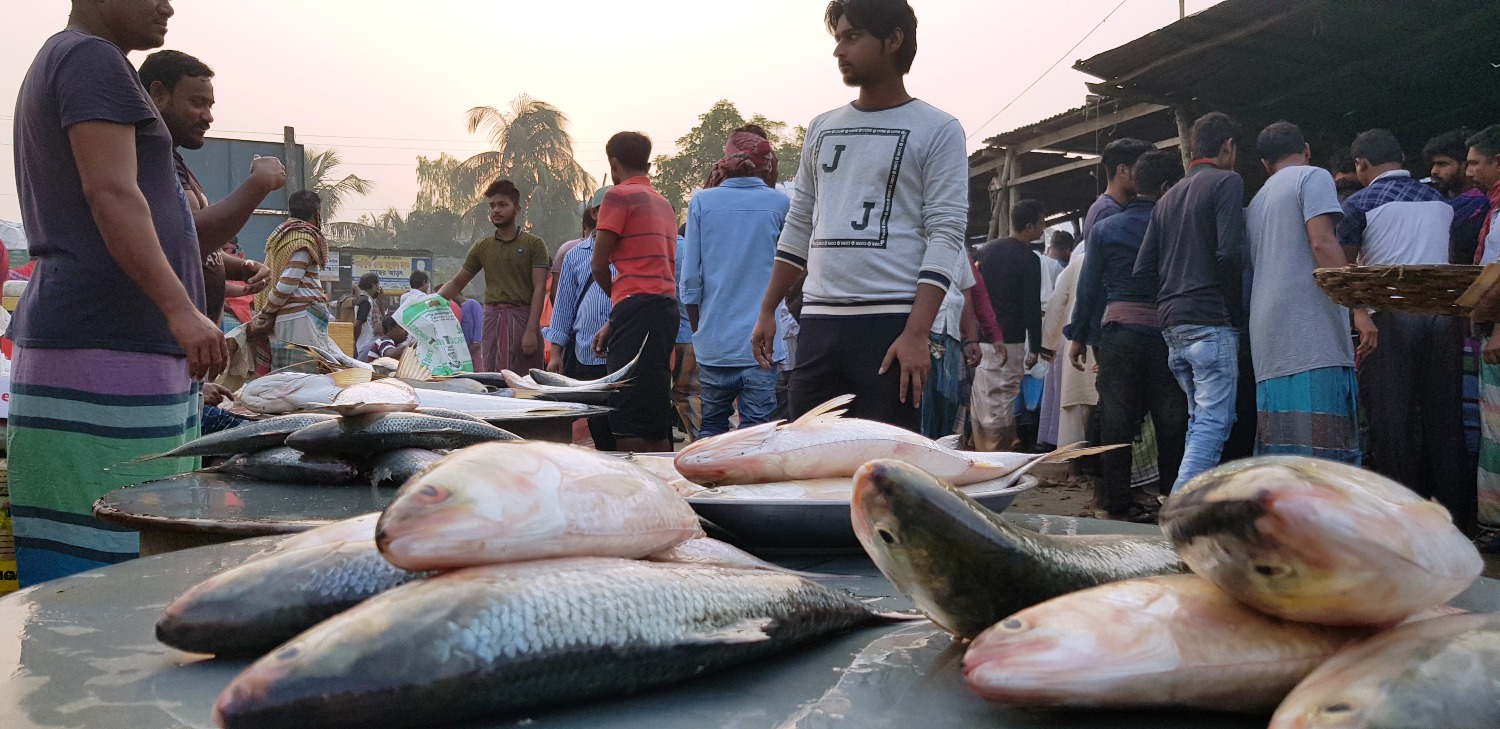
{"points": [[877, 224]]}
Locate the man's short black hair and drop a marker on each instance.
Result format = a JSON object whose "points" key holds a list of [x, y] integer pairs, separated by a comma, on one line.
{"points": [[1027, 212], [506, 188], [1157, 170], [1341, 162], [1123, 152], [304, 205], [1486, 141], [1378, 147], [1279, 141], [1210, 133], [419, 278], [1062, 240], [632, 149], [169, 67], [880, 18], [369, 281], [389, 322], [1453, 144]]}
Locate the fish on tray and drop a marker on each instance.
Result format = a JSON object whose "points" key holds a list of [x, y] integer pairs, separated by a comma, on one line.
{"points": [[288, 465], [1173, 641], [1317, 541], [389, 395], [354, 529], [510, 638], [516, 501], [392, 469], [823, 444], [286, 392], [518, 382], [967, 567], [543, 377], [1433, 673], [267, 601], [247, 438], [364, 434]]}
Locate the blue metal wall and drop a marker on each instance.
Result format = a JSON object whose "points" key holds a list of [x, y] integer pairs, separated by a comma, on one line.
{"points": [[224, 164]]}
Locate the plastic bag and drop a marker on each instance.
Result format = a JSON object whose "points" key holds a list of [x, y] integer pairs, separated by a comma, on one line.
{"points": [[440, 344]]}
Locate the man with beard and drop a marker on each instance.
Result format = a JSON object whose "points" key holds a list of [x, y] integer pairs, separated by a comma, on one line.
{"points": [[877, 224], [515, 265], [1447, 156]]}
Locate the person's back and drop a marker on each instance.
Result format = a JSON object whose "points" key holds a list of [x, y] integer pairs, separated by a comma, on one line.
{"points": [[1397, 221], [1196, 239], [730, 250]]}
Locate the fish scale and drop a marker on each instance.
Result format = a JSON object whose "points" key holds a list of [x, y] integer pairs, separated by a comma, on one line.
{"points": [[512, 637]]}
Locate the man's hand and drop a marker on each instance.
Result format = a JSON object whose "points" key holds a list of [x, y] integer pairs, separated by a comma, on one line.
{"points": [[601, 341], [1078, 355], [913, 353], [1492, 349], [268, 172], [555, 363], [202, 341], [1369, 336], [262, 324], [1031, 360], [215, 394], [529, 342], [258, 280], [763, 341], [973, 355]]}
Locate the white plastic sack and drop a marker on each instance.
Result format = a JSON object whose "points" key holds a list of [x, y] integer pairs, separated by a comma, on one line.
{"points": [[440, 344]]}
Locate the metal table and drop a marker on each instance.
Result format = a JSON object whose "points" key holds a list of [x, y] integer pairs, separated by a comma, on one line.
{"points": [[79, 653]]}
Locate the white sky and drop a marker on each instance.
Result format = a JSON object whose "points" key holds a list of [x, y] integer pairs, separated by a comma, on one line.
{"points": [[385, 81]]}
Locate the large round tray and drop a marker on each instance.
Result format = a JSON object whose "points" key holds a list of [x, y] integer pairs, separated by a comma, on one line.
{"points": [[792, 525], [1402, 289]]}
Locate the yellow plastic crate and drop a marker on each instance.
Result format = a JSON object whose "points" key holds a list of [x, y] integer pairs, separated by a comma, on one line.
{"points": [[342, 334]]}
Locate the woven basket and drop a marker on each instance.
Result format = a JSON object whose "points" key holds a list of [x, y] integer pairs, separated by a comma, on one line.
{"points": [[1401, 289]]}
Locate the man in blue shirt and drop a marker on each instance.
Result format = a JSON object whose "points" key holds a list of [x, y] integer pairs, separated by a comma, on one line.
{"points": [[580, 311], [727, 257]]}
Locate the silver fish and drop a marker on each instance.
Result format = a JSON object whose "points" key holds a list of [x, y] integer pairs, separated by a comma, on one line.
{"points": [[506, 638], [714, 553], [451, 414], [389, 431], [392, 468], [248, 438], [265, 602], [354, 529], [286, 465], [543, 377]]}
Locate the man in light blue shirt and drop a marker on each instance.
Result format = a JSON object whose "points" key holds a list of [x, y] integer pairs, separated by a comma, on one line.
{"points": [[728, 254], [579, 312]]}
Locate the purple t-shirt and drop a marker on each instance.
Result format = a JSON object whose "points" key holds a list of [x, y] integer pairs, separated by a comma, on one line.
{"points": [[79, 298]]}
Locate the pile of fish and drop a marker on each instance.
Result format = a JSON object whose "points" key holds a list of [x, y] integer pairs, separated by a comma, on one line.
{"points": [[816, 456], [1312, 589], [376, 430], [290, 392], [505, 576]]}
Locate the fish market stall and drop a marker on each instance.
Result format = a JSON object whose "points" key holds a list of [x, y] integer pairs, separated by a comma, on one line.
{"points": [[80, 653]]}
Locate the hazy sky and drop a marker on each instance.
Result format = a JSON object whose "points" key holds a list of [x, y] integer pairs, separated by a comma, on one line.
{"points": [[385, 81]]}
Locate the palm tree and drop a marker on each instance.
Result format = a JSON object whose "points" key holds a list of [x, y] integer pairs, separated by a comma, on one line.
{"points": [[321, 166], [534, 150]]}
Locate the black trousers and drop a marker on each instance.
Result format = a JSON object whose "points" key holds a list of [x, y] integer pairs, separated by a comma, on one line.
{"points": [[604, 438], [841, 356], [1134, 381], [643, 324], [1412, 392]]}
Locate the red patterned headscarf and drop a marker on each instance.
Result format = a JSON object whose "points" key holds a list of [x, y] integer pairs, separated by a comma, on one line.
{"points": [[746, 154]]}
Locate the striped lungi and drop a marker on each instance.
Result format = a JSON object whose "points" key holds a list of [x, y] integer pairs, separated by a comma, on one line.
{"points": [[307, 327], [76, 417], [1312, 413], [504, 327], [1489, 445]]}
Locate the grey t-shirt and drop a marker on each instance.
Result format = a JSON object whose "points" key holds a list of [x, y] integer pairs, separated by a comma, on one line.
{"points": [[1294, 326], [79, 298]]}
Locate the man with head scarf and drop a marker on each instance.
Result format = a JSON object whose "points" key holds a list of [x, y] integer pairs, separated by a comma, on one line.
{"points": [[727, 255]]}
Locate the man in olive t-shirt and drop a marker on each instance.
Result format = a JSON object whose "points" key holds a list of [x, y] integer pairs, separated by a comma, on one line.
{"points": [[515, 266]]}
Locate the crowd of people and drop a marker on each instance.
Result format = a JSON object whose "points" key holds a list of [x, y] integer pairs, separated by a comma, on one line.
{"points": [[1183, 323]]}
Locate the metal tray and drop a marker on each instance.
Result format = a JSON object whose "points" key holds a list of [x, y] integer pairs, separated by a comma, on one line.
{"points": [[798, 525]]}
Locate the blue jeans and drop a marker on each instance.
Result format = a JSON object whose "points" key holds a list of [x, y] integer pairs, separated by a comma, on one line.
{"points": [[1205, 361], [755, 388]]}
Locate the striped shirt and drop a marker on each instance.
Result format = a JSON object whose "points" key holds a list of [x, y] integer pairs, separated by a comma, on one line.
{"points": [[581, 308], [297, 287], [645, 256]]}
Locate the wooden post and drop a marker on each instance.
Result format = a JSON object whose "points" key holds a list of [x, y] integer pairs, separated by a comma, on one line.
{"points": [[1006, 200], [296, 174], [1184, 136]]}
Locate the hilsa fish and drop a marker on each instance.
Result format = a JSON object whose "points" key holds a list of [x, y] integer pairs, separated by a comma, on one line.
{"points": [[1320, 542], [1156, 642], [823, 444], [364, 434], [248, 438], [507, 502], [967, 567], [515, 637], [1433, 673], [286, 465]]}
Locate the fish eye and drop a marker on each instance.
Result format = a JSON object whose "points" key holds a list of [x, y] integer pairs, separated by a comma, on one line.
{"points": [[1013, 624], [289, 654], [1271, 570], [430, 494], [1341, 707], [885, 535]]}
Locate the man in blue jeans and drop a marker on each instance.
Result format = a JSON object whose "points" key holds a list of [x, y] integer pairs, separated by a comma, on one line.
{"points": [[1195, 244], [727, 256]]}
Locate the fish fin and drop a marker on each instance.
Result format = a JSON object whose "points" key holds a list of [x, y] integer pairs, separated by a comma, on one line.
{"points": [[828, 409], [898, 616], [1078, 450], [749, 630], [142, 459], [411, 369], [352, 377]]}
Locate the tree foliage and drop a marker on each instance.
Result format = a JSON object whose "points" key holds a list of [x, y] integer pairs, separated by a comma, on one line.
{"points": [[322, 173], [677, 175]]}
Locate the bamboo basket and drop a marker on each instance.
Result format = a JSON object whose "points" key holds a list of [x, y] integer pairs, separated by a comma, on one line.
{"points": [[1433, 289]]}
